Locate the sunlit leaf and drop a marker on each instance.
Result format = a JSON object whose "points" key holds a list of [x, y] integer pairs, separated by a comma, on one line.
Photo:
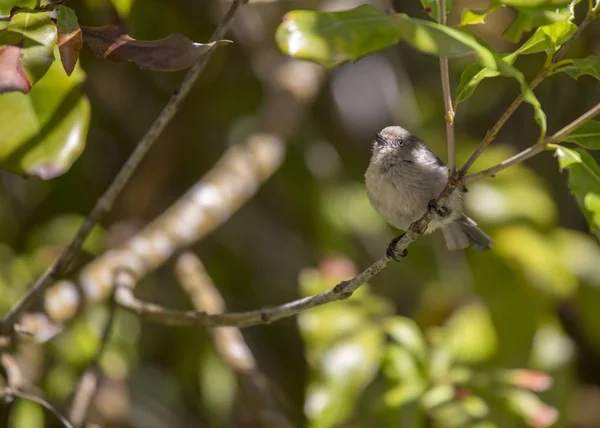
{"points": [[586, 135], [472, 16], [547, 38], [331, 38], [536, 4], [406, 333], [473, 75], [44, 132], [26, 51], [469, 334], [70, 39], [527, 20], [584, 182], [174, 52], [581, 66]]}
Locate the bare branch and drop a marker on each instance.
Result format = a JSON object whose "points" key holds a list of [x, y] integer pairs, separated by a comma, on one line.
{"points": [[86, 389], [14, 382], [491, 134], [448, 109], [106, 201], [343, 290], [536, 148], [230, 343]]}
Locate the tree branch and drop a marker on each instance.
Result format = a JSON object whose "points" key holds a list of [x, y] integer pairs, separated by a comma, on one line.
{"points": [[127, 280], [491, 134], [230, 344], [14, 379], [86, 389], [106, 201], [536, 148], [448, 109]]}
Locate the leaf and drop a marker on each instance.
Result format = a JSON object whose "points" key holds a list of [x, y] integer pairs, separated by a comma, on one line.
{"points": [[586, 135], [547, 38], [470, 79], [331, 38], [584, 182], [172, 53], [70, 39], [581, 66], [441, 40], [26, 51], [471, 16], [43, 132], [536, 4], [528, 20]]}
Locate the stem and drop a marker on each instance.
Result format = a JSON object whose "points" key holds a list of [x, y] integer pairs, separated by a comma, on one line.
{"points": [[106, 201], [448, 109], [536, 148], [545, 72]]}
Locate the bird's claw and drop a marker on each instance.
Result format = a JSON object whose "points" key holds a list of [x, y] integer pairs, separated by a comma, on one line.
{"points": [[391, 249], [433, 209]]}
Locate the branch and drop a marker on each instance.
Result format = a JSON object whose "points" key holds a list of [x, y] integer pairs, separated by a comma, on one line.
{"points": [[84, 394], [536, 148], [448, 109], [153, 312], [14, 382], [106, 201], [230, 343], [491, 134]]}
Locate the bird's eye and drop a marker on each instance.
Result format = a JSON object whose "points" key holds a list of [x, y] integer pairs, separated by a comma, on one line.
{"points": [[400, 143]]}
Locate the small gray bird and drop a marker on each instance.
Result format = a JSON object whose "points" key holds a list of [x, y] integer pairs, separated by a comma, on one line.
{"points": [[403, 180]]}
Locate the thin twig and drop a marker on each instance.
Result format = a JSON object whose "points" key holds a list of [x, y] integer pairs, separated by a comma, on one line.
{"points": [[230, 344], [448, 109], [491, 134], [14, 380], [124, 294], [106, 201], [41, 402], [536, 148], [86, 389]]}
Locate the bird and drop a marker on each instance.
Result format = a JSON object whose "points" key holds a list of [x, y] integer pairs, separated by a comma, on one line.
{"points": [[403, 180]]}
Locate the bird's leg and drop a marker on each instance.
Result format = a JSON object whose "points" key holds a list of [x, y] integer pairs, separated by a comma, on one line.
{"points": [[433, 209], [391, 249]]}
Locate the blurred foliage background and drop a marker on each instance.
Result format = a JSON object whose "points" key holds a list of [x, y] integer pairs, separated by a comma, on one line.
{"points": [[531, 303]]}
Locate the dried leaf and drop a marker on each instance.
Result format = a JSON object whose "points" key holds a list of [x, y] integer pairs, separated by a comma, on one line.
{"points": [[12, 75], [174, 52], [70, 39]]}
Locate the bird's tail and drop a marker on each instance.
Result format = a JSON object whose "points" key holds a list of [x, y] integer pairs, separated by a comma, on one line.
{"points": [[464, 232]]}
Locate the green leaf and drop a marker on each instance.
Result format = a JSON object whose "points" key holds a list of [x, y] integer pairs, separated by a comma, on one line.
{"points": [[536, 4], [470, 79], [331, 38], [528, 20], [471, 16], [586, 135], [26, 51], [407, 333], [43, 132], [584, 182], [441, 40], [581, 66], [547, 38], [70, 39]]}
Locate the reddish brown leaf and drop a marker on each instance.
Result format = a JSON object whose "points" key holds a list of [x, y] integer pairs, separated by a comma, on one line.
{"points": [[12, 74], [70, 39], [174, 52]]}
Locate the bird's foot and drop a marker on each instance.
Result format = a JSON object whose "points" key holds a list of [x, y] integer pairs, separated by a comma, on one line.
{"points": [[434, 209], [391, 249]]}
